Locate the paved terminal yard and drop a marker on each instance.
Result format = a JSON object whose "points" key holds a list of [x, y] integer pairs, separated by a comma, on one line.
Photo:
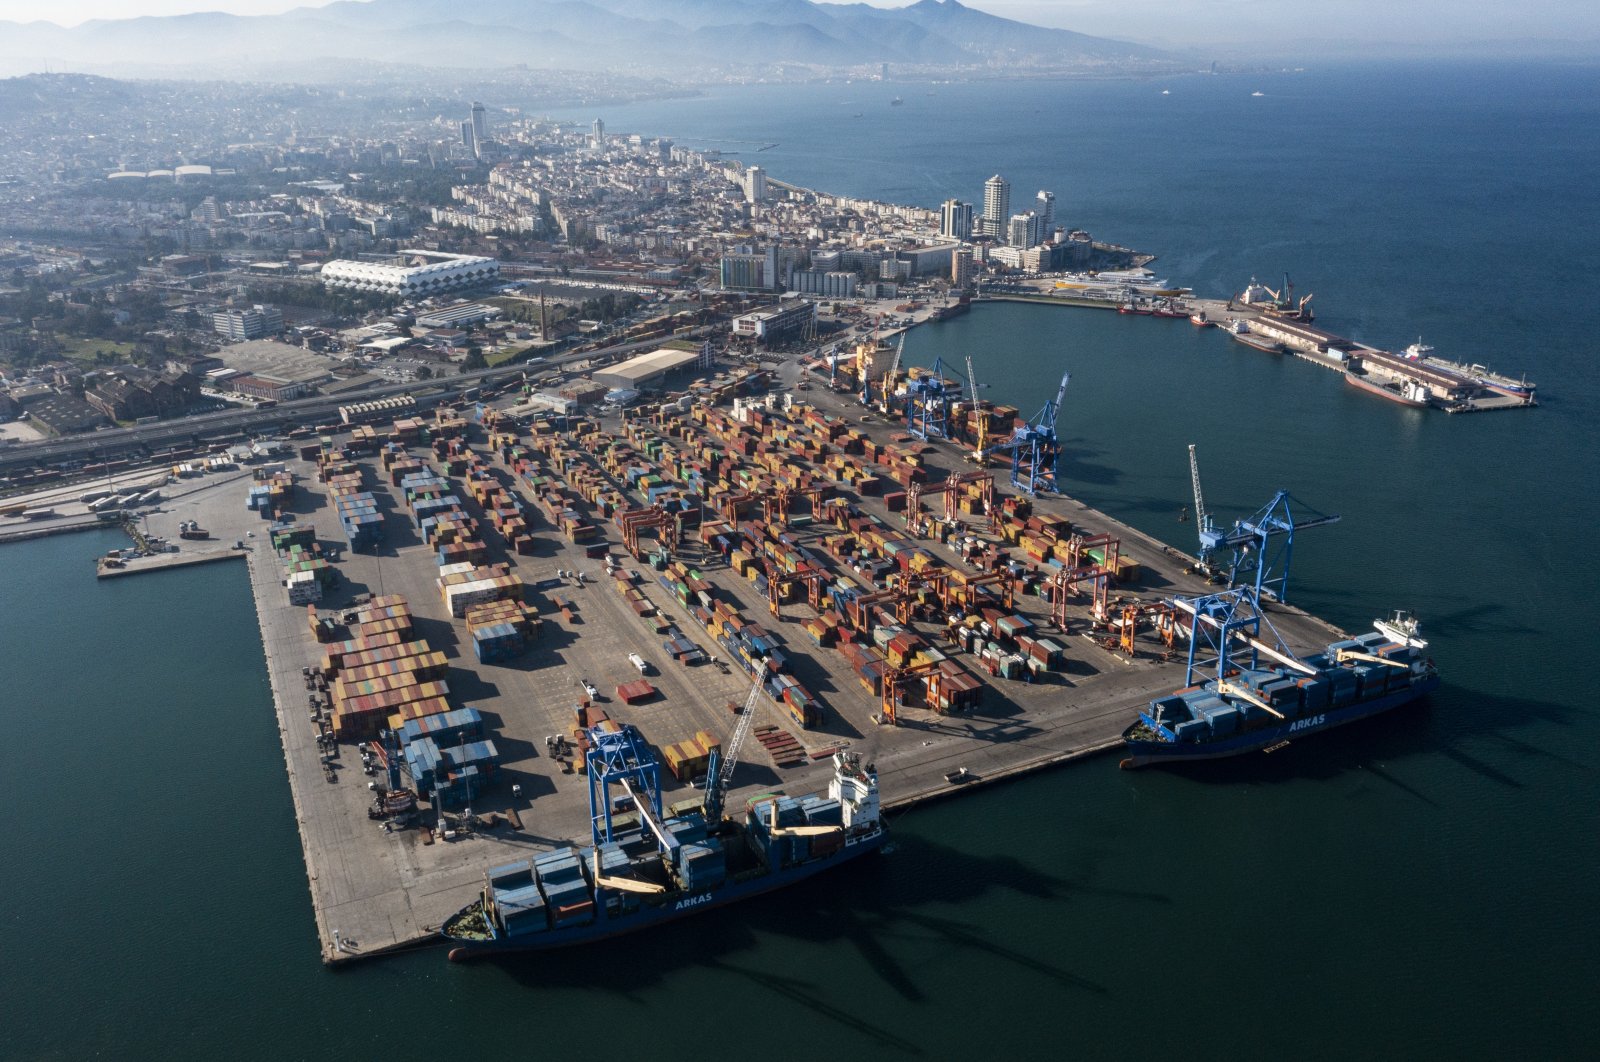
{"points": [[376, 890]]}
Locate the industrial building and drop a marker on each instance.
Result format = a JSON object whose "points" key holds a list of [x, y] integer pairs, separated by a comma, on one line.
{"points": [[412, 273], [776, 323], [274, 370], [645, 371], [254, 323], [461, 315]]}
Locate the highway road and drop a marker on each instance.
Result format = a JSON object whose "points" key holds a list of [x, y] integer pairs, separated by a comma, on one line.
{"points": [[187, 431]]}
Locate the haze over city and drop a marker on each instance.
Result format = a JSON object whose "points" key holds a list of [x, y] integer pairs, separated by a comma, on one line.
{"points": [[1230, 28]]}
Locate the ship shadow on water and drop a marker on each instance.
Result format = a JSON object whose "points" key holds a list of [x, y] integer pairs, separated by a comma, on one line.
{"points": [[868, 905]]}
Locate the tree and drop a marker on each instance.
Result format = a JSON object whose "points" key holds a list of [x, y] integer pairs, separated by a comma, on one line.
{"points": [[474, 359], [424, 373]]}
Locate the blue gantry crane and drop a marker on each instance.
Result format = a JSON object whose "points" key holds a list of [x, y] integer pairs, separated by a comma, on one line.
{"points": [[928, 400], [1260, 546], [1227, 627], [1035, 447], [624, 759]]}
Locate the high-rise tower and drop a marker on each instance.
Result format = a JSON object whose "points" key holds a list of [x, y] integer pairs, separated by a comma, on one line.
{"points": [[996, 205], [955, 220]]}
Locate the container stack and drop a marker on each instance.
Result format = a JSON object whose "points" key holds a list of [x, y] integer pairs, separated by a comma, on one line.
{"points": [[566, 891], [688, 760], [303, 587], [378, 673], [450, 775], [445, 728], [478, 585], [520, 615], [700, 865], [497, 641]]}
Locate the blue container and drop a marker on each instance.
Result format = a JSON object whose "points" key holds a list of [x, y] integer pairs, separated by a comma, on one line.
{"points": [[509, 877]]}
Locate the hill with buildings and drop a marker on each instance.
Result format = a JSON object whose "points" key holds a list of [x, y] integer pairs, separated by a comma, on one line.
{"points": [[684, 39]]}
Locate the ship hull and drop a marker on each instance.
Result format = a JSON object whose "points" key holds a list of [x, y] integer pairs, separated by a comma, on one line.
{"points": [[648, 916], [1368, 386], [1143, 753]]}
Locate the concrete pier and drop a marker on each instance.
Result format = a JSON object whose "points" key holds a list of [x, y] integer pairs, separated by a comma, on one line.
{"points": [[375, 891]]}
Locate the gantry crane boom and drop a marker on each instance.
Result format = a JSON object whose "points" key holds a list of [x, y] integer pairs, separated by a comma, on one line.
{"points": [[721, 767], [980, 420], [886, 381]]}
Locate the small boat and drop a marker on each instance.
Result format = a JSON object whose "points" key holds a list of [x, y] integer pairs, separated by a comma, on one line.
{"points": [[896, 102], [1258, 93]]}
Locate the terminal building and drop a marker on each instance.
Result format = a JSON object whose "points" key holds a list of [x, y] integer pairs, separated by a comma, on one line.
{"points": [[412, 273]]}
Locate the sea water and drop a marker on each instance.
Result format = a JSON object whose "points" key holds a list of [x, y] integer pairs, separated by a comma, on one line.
{"points": [[1416, 886]]}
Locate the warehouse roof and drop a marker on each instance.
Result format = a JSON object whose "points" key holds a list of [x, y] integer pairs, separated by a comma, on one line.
{"points": [[647, 366], [269, 359]]}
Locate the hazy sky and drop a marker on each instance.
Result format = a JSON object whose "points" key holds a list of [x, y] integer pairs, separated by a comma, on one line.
{"points": [[1410, 24]]}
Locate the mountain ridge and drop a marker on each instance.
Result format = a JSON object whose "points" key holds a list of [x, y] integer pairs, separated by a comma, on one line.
{"points": [[692, 39]]}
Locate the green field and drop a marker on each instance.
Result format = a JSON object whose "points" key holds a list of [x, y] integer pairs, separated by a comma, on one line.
{"points": [[83, 350]]}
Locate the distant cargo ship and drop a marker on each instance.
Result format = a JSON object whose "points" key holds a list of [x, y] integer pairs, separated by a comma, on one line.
{"points": [[1255, 709], [1493, 381], [672, 868]]}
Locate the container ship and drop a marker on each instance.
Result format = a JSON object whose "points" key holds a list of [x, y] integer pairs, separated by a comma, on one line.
{"points": [[1251, 709], [644, 869]]}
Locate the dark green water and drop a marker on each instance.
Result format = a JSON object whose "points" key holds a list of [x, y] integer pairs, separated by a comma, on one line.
{"points": [[1420, 886]]}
